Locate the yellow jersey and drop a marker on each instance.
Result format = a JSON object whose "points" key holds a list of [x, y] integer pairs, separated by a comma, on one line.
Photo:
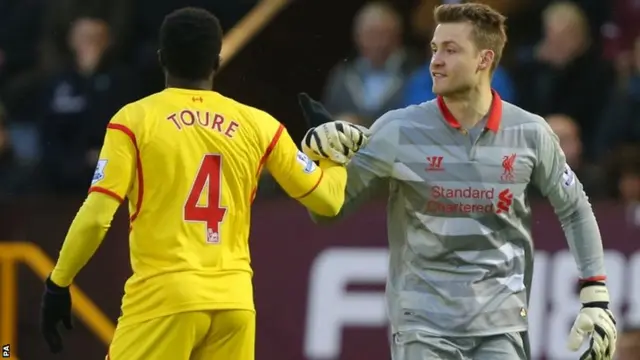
{"points": [[189, 162]]}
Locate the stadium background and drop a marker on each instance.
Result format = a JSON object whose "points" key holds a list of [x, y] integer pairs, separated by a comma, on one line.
{"points": [[67, 65]]}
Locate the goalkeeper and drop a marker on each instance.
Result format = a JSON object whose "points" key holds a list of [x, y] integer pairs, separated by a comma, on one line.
{"points": [[457, 169]]}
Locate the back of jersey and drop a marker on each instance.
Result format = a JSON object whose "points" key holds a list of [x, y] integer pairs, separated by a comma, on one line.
{"points": [[199, 156]]}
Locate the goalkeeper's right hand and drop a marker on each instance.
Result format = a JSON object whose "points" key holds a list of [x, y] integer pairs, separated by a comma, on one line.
{"points": [[337, 141]]}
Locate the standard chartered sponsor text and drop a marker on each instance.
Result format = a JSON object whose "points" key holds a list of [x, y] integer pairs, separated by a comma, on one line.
{"points": [[461, 200]]}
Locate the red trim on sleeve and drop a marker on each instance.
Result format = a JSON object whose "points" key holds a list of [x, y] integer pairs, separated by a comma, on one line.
{"points": [[132, 136], [314, 186], [100, 189], [265, 157], [595, 278]]}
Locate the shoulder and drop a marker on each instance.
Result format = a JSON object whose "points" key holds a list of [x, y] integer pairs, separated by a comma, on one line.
{"points": [[256, 122], [390, 119], [533, 128], [146, 104], [513, 115], [409, 116], [240, 108], [409, 113]]}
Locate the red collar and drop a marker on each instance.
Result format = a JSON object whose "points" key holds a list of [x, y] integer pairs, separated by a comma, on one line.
{"points": [[495, 113]]}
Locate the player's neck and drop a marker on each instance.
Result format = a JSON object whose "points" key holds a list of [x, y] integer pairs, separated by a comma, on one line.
{"points": [[174, 82], [470, 108]]}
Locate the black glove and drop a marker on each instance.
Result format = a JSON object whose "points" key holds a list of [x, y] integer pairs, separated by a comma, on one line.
{"points": [[314, 113], [56, 308]]}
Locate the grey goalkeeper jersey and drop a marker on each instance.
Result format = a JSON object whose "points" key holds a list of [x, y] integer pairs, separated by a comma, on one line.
{"points": [[459, 224]]}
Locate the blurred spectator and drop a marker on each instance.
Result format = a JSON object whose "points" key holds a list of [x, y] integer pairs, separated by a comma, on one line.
{"points": [[568, 132], [373, 83], [79, 101], [59, 20], [629, 189], [624, 169], [620, 123], [564, 73], [629, 185], [621, 31], [598, 13], [629, 344]]}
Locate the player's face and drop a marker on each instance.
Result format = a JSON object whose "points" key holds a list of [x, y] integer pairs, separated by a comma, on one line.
{"points": [[455, 59]]}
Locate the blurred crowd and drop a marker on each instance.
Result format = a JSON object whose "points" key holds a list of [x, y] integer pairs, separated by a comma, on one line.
{"points": [[76, 62], [66, 67]]}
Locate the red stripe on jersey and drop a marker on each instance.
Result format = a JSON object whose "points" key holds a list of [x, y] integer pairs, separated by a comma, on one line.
{"points": [[265, 157], [314, 186], [132, 136], [102, 190]]}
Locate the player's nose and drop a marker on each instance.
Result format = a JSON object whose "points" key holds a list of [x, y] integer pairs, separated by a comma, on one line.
{"points": [[436, 62]]}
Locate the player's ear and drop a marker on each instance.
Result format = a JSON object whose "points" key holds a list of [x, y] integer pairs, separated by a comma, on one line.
{"points": [[486, 59], [216, 63]]}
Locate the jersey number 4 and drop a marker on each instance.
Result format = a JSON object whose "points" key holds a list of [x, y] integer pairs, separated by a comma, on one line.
{"points": [[208, 181]]}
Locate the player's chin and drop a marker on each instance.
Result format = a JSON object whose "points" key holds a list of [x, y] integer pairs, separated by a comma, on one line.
{"points": [[442, 89]]}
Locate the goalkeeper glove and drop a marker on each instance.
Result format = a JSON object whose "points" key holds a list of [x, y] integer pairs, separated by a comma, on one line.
{"points": [[595, 320], [337, 141], [56, 308]]}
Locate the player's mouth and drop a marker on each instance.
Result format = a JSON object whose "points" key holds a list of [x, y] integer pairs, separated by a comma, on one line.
{"points": [[438, 75]]}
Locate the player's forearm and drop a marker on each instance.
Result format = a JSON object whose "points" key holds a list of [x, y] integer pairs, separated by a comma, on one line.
{"points": [[321, 219], [328, 196], [361, 187], [84, 237], [584, 240]]}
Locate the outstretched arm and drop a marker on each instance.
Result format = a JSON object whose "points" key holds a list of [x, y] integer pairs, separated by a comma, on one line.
{"points": [[370, 169], [319, 189]]}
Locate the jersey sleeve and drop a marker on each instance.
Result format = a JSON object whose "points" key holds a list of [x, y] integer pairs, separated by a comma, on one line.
{"points": [[118, 157], [319, 188], [293, 170], [370, 169], [84, 236], [559, 184]]}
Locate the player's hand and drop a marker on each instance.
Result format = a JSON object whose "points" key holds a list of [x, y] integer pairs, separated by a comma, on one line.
{"points": [[334, 140], [595, 321], [337, 141], [56, 308]]}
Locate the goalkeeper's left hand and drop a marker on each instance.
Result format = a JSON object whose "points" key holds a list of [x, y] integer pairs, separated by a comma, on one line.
{"points": [[596, 321]]}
